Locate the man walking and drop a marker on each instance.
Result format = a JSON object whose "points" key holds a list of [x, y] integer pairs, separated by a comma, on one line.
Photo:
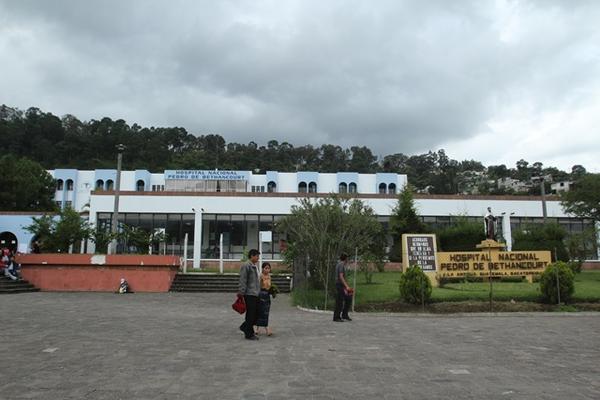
{"points": [[343, 298], [249, 288]]}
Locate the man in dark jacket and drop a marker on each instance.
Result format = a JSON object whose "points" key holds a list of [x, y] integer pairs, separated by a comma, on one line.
{"points": [[249, 289], [343, 298]]}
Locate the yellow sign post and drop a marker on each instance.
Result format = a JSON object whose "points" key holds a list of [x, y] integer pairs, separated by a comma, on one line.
{"points": [[490, 261], [420, 249]]}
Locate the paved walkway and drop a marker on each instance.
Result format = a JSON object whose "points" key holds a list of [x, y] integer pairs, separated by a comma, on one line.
{"points": [[187, 346]]}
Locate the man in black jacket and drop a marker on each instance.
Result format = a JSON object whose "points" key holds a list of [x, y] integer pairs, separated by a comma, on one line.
{"points": [[249, 288]]}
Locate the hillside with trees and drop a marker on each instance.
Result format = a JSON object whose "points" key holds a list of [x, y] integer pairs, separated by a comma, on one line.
{"points": [[67, 142]]}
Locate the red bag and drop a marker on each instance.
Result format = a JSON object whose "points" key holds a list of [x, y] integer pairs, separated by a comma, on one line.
{"points": [[239, 305]]}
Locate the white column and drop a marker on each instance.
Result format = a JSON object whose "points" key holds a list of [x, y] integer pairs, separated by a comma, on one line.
{"points": [[185, 249], [197, 237], [221, 253], [506, 230], [598, 239]]}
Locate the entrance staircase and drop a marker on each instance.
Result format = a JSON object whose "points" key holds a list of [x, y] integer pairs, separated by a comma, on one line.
{"points": [[221, 283], [8, 286]]}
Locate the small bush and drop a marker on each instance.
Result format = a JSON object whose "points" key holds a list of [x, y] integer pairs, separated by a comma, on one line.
{"points": [[469, 277], [415, 286], [575, 266], [511, 279], [548, 283]]}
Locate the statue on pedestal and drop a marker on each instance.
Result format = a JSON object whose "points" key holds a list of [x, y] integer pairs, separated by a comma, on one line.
{"points": [[490, 224]]}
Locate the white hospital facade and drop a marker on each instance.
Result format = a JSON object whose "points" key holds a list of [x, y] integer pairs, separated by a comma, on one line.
{"points": [[203, 205]]}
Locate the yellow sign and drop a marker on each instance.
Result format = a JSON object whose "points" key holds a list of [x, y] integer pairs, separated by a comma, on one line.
{"points": [[494, 263]]}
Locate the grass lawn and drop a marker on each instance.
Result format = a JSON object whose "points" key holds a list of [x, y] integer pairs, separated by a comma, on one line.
{"points": [[384, 289]]}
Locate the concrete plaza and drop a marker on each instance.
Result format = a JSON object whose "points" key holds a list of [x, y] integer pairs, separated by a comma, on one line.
{"points": [[187, 346]]}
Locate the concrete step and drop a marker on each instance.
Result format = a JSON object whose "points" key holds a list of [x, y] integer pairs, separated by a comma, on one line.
{"points": [[8, 286], [18, 290], [219, 283]]}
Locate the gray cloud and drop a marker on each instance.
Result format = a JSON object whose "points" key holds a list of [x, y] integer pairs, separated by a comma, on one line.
{"points": [[395, 76]]}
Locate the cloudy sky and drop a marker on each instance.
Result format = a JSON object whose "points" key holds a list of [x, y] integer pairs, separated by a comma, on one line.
{"points": [[494, 81]]}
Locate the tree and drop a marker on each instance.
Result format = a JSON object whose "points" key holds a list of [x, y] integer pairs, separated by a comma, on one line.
{"points": [[548, 236], [557, 280], [463, 235], [25, 186], [404, 219], [323, 229], [577, 171], [58, 233], [583, 200]]}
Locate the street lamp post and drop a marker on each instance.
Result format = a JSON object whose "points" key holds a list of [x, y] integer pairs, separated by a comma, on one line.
{"points": [[112, 249], [541, 179], [543, 192]]}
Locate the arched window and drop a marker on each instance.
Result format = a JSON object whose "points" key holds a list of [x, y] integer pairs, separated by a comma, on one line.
{"points": [[382, 188], [343, 188], [59, 184], [312, 187], [302, 187], [70, 184], [109, 184], [140, 186], [392, 188], [99, 184], [352, 187], [271, 187]]}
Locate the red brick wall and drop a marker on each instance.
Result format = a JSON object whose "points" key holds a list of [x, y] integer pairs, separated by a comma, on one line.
{"points": [[98, 273], [590, 265]]}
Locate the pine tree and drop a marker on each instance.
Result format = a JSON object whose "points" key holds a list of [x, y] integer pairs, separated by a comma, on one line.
{"points": [[404, 219]]}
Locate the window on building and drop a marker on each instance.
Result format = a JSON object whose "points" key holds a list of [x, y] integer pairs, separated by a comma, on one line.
{"points": [[312, 187], [59, 185], [99, 184], [140, 186], [70, 184], [302, 187], [68, 203], [382, 188], [392, 188], [343, 188], [271, 187], [352, 188], [59, 204], [110, 184]]}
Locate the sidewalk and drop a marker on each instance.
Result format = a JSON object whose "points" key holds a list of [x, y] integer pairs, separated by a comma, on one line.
{"points": [[187, 346]]}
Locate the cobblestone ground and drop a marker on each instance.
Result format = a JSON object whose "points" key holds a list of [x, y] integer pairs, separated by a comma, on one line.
{"points": [[187, 346]]}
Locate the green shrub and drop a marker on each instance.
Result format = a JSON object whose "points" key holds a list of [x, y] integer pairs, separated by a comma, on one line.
{"points": [[548, 283], [462, 235], [415, 286], [548, 236], [575, 266], [512, 279]]}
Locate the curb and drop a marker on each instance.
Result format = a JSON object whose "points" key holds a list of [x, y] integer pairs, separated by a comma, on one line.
{"points": [[519, 314]]}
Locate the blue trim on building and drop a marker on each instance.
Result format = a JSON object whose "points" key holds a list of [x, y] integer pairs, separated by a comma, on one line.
{"points": [[105, 175], [144, 175], [273, 176], [307, 177], [387, 178], [347, 178], [65, 175], [16, 224]]}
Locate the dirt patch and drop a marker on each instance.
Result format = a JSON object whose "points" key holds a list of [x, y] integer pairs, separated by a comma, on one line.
{"points": [[473, 306]]}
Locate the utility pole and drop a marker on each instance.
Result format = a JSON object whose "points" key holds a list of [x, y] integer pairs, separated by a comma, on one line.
{"points": [[112, 248], [543, 192]]}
